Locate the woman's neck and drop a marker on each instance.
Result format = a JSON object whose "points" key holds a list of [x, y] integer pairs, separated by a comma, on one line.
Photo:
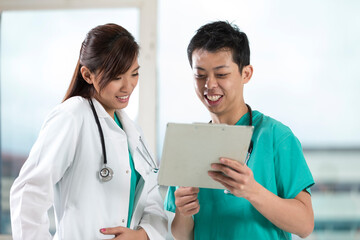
{"points": [[110, 111]]}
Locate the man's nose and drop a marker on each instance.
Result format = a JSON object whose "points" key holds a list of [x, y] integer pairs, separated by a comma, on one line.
{"points": [[211, 82]]}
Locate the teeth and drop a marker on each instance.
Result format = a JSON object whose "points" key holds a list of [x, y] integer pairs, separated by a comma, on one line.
{"points": [[213, 97], [124, 97]]}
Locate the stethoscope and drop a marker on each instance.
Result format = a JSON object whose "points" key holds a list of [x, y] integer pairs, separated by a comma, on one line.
{"points": [[251, 145], [251, 142], [106, 173]]}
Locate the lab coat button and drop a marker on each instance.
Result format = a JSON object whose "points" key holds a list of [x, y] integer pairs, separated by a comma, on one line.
{"points": [[127, 171], [123, 220]]}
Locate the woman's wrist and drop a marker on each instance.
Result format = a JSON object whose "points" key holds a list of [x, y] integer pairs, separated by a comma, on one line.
{"points": [[142, 233]]}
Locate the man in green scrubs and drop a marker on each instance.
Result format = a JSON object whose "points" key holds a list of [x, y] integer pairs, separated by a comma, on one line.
{"points": [[269, 196]]}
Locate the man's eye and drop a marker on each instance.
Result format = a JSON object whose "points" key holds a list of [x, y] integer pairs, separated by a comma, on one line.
{"points": [[135, 74], [222, 75]]}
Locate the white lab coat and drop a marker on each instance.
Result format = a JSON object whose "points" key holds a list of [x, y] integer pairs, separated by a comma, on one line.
{"points": [[62, 170]]}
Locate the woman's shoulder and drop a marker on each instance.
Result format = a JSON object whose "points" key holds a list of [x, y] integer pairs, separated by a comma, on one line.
{"points": [[74, 105], [73, 108]]}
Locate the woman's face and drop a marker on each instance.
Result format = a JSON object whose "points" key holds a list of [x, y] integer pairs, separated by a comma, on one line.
{"points": [[116, 94]]}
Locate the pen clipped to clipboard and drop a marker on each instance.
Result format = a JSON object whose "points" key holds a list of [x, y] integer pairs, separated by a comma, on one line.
{"points": [[189, 150]]}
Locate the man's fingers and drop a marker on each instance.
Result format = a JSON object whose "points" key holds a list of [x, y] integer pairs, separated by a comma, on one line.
{"points": [[225, 184], [184, 191], [185, 195], [237, 166], [193, 211], [218, 176], [181, 201], [190, 209], [186, 200], [230, 168]]}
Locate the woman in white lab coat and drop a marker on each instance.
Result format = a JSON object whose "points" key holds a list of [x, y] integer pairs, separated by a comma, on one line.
{"points": [[90, 160]]}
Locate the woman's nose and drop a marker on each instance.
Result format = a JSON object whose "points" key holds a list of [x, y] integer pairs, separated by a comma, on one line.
{"points": [[126, 84]]}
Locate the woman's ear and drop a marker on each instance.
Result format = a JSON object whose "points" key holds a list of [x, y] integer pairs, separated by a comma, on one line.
{"points": [[87, 75], [246, 74]]}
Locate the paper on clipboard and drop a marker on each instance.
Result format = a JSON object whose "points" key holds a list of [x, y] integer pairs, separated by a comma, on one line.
{"points": [[189, 150]]}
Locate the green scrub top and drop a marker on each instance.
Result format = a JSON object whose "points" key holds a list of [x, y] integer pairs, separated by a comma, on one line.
{"points": [[135, 177], [278, 164]]}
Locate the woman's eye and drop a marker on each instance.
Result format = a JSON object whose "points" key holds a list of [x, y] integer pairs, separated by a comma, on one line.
{"points": [[135, 74], [199, 76]]}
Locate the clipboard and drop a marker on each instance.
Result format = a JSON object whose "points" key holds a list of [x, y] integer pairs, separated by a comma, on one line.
{"points": [[189, 150]]}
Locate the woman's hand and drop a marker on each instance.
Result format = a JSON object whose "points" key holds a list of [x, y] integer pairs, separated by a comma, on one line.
{"points": [[123, 233], [235, 176]]}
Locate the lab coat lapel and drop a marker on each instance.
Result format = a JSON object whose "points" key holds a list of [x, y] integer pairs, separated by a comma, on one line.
{"points": [[100, 110], [133, 136], [107, 119]]}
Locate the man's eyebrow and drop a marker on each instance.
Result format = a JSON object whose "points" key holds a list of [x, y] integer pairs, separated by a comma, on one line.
{"points": [[222, 66], [215, 68]]}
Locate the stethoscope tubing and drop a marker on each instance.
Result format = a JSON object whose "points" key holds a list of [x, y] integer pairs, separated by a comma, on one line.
{"points": [[226, 191], [100, 130], [251, 142], [154, 168]]}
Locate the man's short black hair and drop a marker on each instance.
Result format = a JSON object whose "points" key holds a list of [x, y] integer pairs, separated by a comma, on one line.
{"points": [[221, 35]]}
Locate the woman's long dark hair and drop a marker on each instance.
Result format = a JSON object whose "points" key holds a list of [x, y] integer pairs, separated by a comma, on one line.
{"points": [[108, 50]]}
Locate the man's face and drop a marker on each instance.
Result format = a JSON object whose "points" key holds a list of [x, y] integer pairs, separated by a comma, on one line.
{"points": [[218, 82]]}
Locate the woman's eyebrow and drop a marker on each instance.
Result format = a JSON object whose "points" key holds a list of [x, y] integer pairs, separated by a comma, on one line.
{"points": [[136, 68], [199, 68]]}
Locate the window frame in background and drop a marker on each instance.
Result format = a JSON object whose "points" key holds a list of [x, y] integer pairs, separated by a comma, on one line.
{"points": [[147, 111]]}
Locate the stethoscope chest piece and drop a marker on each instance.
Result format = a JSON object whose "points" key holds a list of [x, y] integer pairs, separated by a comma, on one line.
{"points": [[106, 174]]}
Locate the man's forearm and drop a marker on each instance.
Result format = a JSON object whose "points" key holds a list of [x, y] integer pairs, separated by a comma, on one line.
{"points": [[292, 215], [182, 227]]}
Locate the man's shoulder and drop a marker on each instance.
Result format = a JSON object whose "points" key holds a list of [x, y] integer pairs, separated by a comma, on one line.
{"points": [[267, 123]]}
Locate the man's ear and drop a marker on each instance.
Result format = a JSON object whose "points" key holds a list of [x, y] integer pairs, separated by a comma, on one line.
{"points": [[87, 75], [246, 74]]}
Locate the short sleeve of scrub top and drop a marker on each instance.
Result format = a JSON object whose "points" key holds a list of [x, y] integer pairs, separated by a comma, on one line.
{"points": [[277, 163]]}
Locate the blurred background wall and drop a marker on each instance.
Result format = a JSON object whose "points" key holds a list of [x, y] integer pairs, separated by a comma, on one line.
{"points": [[305, 57]]}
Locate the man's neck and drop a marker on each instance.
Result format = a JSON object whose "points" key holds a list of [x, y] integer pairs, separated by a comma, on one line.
{"points": [[230, 118]]}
